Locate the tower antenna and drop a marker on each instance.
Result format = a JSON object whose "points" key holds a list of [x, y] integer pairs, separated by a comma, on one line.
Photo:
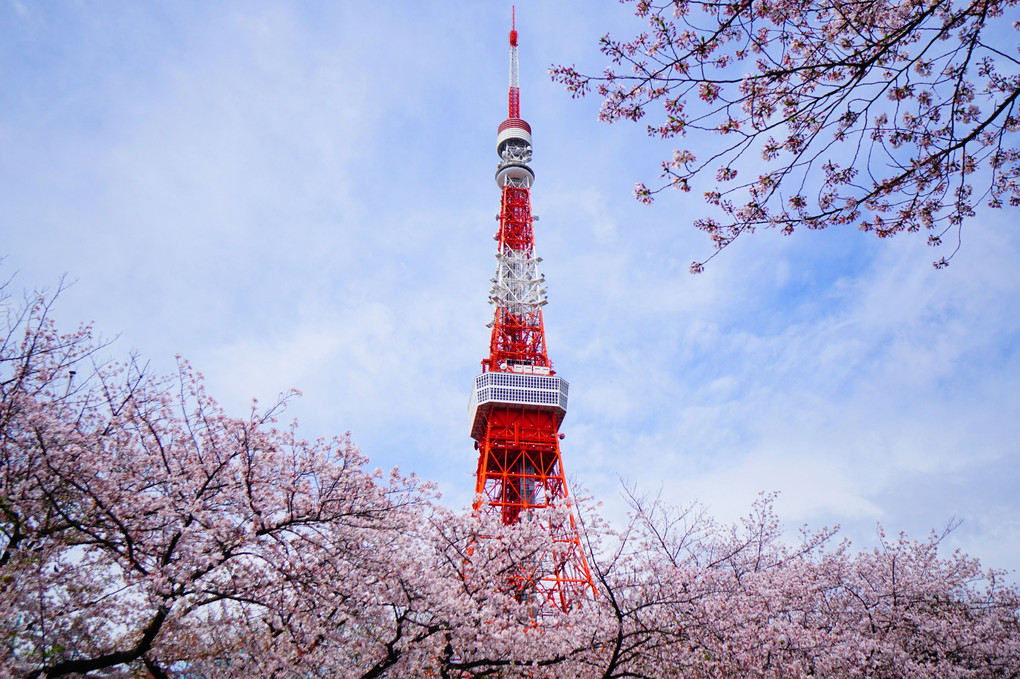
{"points": [[515, 87]]}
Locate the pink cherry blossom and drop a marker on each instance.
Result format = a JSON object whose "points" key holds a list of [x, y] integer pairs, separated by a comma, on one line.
{"points": [[144, 532], [909, 107]]}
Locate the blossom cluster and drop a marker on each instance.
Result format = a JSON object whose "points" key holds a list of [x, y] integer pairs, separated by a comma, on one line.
{"points": [[883, 115]]}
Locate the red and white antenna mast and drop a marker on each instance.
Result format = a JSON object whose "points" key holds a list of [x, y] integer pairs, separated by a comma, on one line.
{"points": [[518, 401], [515, 86]]}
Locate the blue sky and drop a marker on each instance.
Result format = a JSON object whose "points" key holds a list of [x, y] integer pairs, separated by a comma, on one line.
{"points": [[301, 195]]}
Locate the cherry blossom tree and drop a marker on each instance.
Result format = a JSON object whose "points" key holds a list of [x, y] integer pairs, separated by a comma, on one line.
{"points": [[884, 115], [684, 596], [144, 532], [141, 527]]}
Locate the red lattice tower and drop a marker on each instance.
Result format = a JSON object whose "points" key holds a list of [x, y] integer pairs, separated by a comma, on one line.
{"points": [[518, 401]]}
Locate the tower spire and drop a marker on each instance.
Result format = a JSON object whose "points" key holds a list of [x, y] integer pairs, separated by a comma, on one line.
{"points": [[515, 87], [518, 401]]}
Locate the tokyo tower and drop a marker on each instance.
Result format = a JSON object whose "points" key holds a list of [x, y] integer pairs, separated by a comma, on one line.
{"points": [[518, 401]]}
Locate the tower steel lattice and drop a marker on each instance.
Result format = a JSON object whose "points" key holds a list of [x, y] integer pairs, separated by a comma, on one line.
{"points": [[518, 401]]}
